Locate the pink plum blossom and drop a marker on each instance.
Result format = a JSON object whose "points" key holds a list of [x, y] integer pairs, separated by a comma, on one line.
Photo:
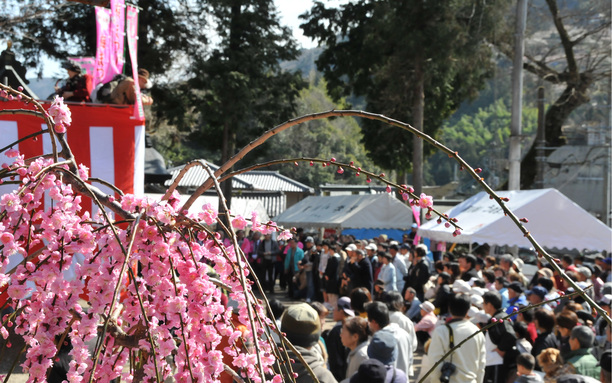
{"points": [[239, 223], [61, 114], [425, 201]]}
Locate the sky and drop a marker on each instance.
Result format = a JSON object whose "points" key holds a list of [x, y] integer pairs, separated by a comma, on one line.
{"points": [[289, 11]]}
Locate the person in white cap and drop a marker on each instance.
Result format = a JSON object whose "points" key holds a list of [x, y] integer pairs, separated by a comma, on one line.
{"points": [[460, 286], [427, 323]]}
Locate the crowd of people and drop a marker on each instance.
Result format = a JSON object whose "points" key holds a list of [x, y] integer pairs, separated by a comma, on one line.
{"points": [[390, 300], [121, 90]]}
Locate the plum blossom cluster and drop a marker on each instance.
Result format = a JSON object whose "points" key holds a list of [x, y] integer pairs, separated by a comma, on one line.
{"points": [[54, 256], [62, 117]]}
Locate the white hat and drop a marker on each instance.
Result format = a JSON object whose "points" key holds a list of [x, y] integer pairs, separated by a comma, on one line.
{"points": [[351, 247], [472, 280], [460, 286], [371, 246], [472, 312], [477, 301], [480, 317], [427, 306], [393, 243], [606, 300], [478, 291], [518, 263]]}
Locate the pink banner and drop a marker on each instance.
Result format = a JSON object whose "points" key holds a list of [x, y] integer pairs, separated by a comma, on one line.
{"points": [[88, 64], [102, 72], [117, 35], [132, 41], [416, 212]]}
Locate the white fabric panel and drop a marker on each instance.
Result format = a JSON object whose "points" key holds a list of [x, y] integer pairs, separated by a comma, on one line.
{"points": [[554, 222], [8, 134], [139, 160], [102, 158]]}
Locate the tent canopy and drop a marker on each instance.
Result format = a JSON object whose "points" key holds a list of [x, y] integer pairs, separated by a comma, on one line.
{"points": [[380, 211], [240, 206], [554, 221]]}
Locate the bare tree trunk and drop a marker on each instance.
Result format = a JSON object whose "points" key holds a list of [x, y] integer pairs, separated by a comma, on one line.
{"points": [[227, 151], [417, 113]]}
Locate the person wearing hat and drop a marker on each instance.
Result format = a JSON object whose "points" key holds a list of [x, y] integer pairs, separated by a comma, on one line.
{"points": [[413, 233], [371, 252], [78, 87], [387, 272], [302, 327], [125, 92], [537, 295], [337, 352], [427, 323], [470, 359], [516, 298], [383, 347], [370, 371]]}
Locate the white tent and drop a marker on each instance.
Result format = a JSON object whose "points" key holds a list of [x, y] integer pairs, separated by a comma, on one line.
{"points": [[380, 211], [240, 206], [554, 221]]}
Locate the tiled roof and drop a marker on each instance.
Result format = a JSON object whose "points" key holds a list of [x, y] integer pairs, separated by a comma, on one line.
{"points": [[260, 180], [273, 180]]}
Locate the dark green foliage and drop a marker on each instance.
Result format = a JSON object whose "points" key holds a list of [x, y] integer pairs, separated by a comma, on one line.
{"points": [[243, 90], [371, 48], [481, 139]]}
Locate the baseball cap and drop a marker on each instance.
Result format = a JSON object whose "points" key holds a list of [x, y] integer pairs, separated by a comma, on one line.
{"points": [[344, 304], [537, 290]]}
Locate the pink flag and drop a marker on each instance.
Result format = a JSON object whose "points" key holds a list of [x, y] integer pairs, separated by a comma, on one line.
{"points": [[117, 35], [132, 40], [103, 71]]}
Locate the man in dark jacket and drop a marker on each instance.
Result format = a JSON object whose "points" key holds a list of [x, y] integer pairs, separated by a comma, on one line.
{"points": [[419, 273], [268, 251], [467, 265], [360, 270], [545, 324], [501, 341], [337, 353]]}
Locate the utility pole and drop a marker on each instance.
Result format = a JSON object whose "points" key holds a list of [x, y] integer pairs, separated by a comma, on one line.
{"points": [[514, 176]]}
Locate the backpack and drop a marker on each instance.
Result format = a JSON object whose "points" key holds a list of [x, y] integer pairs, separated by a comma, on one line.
{"points": [[104, 93]]}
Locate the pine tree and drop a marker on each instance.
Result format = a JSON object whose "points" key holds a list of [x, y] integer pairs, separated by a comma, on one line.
{"points": [[241, 90]]}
